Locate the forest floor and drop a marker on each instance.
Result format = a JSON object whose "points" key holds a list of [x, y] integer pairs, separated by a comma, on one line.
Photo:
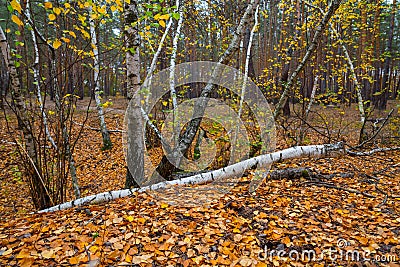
{"points": [[350, 218]]}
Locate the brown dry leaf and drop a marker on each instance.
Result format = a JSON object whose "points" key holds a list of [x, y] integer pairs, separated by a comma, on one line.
{"points": [[48, 254]]}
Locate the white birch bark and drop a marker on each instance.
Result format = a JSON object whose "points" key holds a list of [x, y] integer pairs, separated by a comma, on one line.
{"points": [[107, 144], [160, 45], [134, 138], [310, 103], [312, 97], [37, 80], [245, 77], [67, 146], [333, 6], [327, 150], [173, 62], [150, 74]]}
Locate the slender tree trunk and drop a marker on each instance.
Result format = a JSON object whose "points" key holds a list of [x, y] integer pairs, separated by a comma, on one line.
{"points": [[351, 66], [107, 144], [166, 168], [386, 69], [39, 194], [333, 6], [37, 81]]}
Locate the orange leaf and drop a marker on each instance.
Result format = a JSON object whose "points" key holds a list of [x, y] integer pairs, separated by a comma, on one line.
{"points": [[74, 260], [24, 253], [48, 5]]}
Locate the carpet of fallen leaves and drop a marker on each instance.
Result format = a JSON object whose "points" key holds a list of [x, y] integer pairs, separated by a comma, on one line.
{"points": [[285, 222]]}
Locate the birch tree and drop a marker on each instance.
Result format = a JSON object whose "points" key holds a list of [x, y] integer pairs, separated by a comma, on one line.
{"points": [[107, 144], [37, 80], [135, 136], [327, 150]]}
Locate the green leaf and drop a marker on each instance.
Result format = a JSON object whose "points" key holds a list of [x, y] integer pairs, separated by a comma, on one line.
{"points": [[175, 15], [377, 93], [17, 64]]}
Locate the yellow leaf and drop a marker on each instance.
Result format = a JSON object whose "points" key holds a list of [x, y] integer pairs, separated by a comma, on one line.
{"points": [[24, 253], [164, 205], [66, 40], [164, 17], [113, 8], [93, 249], [72, 34], [16, 20], [130, 218], [101, 10], [67, 5], [128, 1], [162, 23], [57, 10], [51, 112], [52, 17], [16, 6], [48, 5], [56, 44], [85, 34]]}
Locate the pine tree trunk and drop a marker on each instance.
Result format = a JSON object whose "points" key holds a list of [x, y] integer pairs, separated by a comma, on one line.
{"points": [[333, 6]]}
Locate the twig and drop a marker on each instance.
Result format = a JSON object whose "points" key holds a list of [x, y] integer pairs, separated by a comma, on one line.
{"points": [[377, 132], [384, 169], [369, 153], [97, 129], [8, 142], [339, 188], [93, 218], [382, 192], [37, 171]]}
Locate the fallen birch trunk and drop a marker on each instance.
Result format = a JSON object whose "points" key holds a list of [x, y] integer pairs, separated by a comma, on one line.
{"points": [[311, 151]]}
